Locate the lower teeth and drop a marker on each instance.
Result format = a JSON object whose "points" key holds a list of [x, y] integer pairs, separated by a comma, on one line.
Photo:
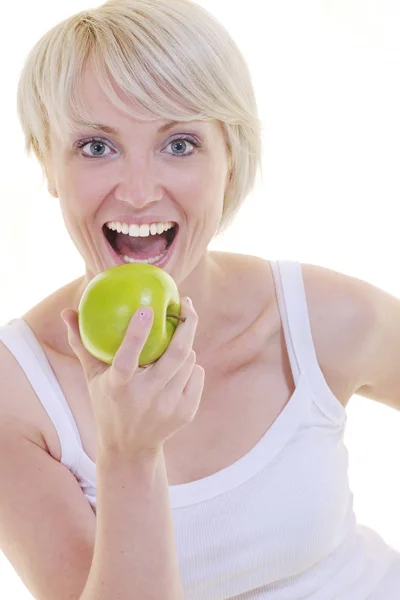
{"points": [[146, 261]]}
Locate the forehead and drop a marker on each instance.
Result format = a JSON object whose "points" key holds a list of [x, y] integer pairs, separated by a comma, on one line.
{"points": [[98, 108], [96, 100]]}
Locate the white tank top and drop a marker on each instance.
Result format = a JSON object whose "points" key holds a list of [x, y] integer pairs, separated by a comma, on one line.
{"points": [[278, 524]]}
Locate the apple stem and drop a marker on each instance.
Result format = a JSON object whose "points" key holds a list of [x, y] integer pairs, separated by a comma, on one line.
{"points": [[183, 319]]}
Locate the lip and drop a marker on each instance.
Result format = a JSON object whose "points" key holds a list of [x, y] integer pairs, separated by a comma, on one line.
{"points": [[118, 260]]}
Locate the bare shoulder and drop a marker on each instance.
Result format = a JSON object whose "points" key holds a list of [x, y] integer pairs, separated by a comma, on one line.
{"points": [[19, 406], [340, 310], [339, 305], [342, 317]]}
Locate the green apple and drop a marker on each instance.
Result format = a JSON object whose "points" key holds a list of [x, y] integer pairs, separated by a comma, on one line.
{"points": [[112, 297]]}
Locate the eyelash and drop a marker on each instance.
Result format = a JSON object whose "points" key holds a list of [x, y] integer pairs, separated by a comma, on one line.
{"points": [[92, 140]]}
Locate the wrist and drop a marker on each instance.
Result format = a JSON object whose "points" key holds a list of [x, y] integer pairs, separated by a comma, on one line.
{"points": [[144, 457]]}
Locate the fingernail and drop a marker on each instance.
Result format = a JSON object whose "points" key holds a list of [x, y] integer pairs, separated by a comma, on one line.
{"points": [[188, 300], [145, 314]]}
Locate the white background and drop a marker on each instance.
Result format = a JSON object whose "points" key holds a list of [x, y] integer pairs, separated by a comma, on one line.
{"points": [[327, 77]]}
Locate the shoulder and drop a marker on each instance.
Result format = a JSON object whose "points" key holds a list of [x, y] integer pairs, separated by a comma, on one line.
{"points": [[333, 298], [338, 304], [45, 321], [342, 318], [19, 406], [341, 310]]}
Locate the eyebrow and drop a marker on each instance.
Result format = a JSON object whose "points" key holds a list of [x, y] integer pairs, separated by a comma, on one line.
{"points": [[111, 131]]}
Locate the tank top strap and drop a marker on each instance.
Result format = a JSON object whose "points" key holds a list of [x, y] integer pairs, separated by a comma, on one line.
{"points": [[292, 302], [20, 340]]}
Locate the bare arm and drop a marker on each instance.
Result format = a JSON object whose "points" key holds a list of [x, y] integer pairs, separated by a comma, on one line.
{"points": [[47, 528], [136, 410], [49, 533], [133, 497]]}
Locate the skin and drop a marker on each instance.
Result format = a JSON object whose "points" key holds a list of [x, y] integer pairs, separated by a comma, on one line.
{"points": [[142, 177], [248, 374], [140, 174], [238, 341]]}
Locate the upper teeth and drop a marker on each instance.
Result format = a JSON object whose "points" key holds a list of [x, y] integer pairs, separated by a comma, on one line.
{"points": [[139, 230]]}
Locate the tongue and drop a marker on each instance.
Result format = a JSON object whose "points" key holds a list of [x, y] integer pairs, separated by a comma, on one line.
{"points": [[141, 248]]}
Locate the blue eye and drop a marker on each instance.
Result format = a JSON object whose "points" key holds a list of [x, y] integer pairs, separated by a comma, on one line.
{"points": [[183, 141], [94, 148], [97, 147]]}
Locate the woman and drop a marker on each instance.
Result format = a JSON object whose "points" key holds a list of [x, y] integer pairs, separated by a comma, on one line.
{"points": [[219, 471]]}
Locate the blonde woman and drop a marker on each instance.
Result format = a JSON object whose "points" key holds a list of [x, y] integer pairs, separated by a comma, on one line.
{"points": [[219, 471]]}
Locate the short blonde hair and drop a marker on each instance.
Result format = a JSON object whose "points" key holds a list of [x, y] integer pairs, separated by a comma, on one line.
{"points": [[170, 56]]}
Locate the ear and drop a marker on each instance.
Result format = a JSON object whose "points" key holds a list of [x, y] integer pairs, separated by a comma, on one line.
{"points": [[51, 186], [228, 179]]}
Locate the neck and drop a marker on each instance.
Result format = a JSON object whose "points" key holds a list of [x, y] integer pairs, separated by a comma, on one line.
{"points": [[203, 286]]}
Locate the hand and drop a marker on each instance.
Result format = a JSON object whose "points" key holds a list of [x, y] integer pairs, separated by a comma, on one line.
{"points": [[138, 409]]}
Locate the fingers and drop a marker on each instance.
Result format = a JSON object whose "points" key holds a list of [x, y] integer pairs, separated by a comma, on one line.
{"points": [[91, 365], [195, 383], [180, 346], [126, 359], [177, 384], [183, 393], [185, 335], [193, 391]]}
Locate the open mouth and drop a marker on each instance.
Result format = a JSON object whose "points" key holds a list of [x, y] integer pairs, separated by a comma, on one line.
{"points": [[152, 248]]}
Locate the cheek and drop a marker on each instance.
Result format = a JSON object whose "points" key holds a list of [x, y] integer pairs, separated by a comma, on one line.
{"points": [[206, 181], [82, 193]]}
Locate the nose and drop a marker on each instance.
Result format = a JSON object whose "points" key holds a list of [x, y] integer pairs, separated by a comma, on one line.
{"points": [[138, 183]]}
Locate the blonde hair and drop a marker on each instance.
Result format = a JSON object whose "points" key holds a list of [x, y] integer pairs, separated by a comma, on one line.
{"points": [[170, 56]]}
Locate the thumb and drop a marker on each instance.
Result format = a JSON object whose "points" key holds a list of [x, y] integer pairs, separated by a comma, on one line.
{"points": [[91, 365]]}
